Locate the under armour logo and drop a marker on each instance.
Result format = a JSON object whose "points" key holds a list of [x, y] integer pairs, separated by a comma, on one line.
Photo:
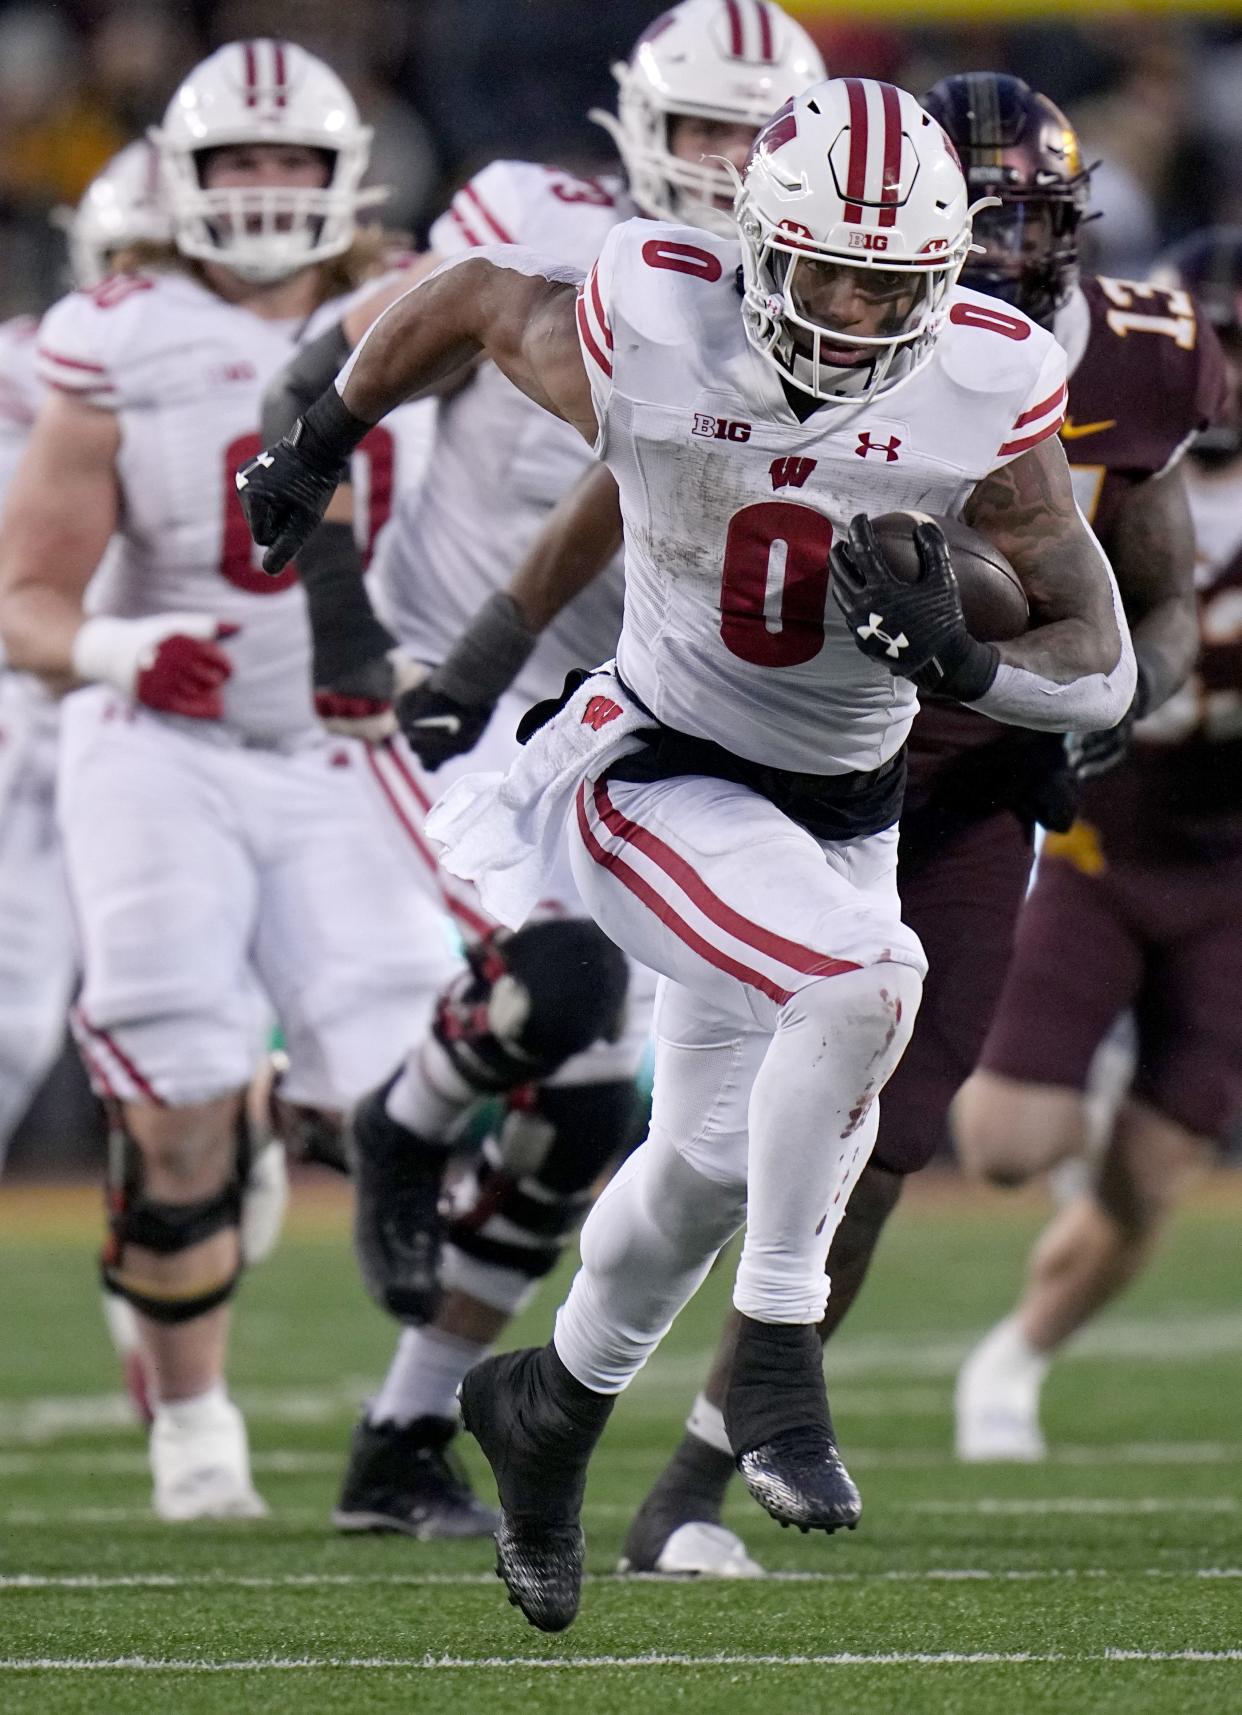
{"points": [[790, 473], [264, 459], [867, 445], [599, 711], [893, 645]]}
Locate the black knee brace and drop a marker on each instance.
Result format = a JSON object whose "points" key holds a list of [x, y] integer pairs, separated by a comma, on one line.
{"points": [[166, 1228], [533, 1183], [530, 1001]]}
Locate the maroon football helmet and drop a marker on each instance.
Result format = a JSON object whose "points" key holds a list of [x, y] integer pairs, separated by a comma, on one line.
{"points": [[1017, 145]]}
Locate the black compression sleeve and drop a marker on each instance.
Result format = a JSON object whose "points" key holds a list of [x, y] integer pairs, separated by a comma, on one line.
{"points": [[347, 635], [313, 368]]}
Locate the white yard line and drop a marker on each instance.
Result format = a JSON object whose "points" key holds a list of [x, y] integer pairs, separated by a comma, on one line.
{"points": [[1084, 1504], [443, 1663], [90, 1581]]}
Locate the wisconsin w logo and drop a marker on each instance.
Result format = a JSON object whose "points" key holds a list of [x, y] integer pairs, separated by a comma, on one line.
{"points": [[791, 473], [599, 711]]}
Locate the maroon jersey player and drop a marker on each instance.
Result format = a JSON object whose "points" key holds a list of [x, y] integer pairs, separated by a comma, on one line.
{"points": [[1145, 375], [1149, 879]]}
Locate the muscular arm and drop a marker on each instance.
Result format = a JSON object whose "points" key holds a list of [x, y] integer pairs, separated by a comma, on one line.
{"points": [[1152, 549], [524, 322], [1073, 670], [580, 536], [61, 511]]}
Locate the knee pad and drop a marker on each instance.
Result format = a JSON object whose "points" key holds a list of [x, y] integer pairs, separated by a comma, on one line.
{"points": [[534, 1182], [165, 1228], [531, 1000]]}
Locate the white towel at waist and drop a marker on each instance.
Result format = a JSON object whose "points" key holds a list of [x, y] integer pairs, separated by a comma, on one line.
{"points": [[502, 831]]}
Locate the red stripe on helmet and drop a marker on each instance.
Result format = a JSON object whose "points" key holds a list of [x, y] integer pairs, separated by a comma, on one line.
{"points": [[251, 72], [281, 74], [767, 48], [856, 168], [736, 38], [891, 187]]}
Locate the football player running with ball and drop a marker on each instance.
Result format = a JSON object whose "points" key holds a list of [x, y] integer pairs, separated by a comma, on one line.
{"points": [[1145, 374], [733, 784]]}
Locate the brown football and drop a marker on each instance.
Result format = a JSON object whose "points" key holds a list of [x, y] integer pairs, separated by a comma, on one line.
{"points": [[993, 600]]}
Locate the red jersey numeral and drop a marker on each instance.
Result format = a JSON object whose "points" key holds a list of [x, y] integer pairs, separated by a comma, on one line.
{"points": [[992, 321], [774, 587], [583, 190], [682, 259], [117, 287]]}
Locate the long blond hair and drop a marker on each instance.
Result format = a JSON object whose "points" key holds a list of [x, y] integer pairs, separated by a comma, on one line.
{"points": [[373, 251]]}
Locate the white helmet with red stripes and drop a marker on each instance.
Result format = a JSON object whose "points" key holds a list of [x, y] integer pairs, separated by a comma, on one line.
{"points": [[735, 61], [851, 174], [122, 205], [263, 91]]}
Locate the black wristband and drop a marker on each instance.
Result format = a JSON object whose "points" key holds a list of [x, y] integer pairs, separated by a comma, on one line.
{"points": [[327, 434], [967, 669], [347, 636]]}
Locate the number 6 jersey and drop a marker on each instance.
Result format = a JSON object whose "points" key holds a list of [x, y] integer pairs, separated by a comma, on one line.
{"points": [[731, 504], [184, 372]]}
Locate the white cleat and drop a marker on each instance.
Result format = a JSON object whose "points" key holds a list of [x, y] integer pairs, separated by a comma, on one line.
{"points": [[701, 1550], [202, 1470], [996, 1401]]}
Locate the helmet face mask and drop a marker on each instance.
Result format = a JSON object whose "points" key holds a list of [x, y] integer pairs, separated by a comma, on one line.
{"points": [[1015, 145], [733, 62], [274, 93], [854, 227]]}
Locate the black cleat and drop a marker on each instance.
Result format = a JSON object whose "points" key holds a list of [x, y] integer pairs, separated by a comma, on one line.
{"points": [[537, 1425], [799, 1479], [403, 1479], [677, 1532], [397, 1222], [776, 1414]]}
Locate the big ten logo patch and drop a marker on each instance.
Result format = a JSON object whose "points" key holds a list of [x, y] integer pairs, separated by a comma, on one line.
{"points": [[868, 240], [719, 428], [599, 711]]}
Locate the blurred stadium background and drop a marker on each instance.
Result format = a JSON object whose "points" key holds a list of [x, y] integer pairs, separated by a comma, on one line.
{"points": [[1155, 89]]}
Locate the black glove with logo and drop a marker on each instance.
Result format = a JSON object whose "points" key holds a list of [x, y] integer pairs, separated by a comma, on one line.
{"points": [[1092, 753], [437, 726], [914, 629], [285, 489], [445, 715]]}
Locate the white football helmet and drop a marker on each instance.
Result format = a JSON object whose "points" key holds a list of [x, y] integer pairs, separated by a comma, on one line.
{"points": [[122, 205], [263, 91], [732, 60], [850, 174]]}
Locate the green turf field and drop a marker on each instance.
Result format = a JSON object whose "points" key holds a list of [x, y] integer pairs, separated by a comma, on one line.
{"points": [[1108, 1580]]}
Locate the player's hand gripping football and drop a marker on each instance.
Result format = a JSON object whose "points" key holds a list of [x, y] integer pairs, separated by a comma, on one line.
{"points": [[914, 629]]}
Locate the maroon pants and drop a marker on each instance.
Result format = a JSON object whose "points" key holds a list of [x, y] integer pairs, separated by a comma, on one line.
{"points": [[1161, 938], [962, 886]]}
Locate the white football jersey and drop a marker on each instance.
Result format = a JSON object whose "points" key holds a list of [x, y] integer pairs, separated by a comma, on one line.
{"points": [[500, 463], [185, 371], [26, 701], [731, 504]]}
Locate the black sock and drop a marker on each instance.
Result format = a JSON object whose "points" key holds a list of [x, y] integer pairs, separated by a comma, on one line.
{"points": [[777, 1383], [694, 1481]]}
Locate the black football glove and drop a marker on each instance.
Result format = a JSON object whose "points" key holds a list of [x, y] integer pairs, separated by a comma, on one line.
{"points": [[437, 726], [285, 489], [914, 629], [1093, 753]]}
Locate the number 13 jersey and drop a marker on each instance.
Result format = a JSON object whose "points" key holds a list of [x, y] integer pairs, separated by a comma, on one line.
{"points": [[731, 504]]}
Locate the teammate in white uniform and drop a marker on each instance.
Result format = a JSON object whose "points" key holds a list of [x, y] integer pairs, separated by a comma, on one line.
{"points": [[699, 83], [749, 859], [218, 843]]}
